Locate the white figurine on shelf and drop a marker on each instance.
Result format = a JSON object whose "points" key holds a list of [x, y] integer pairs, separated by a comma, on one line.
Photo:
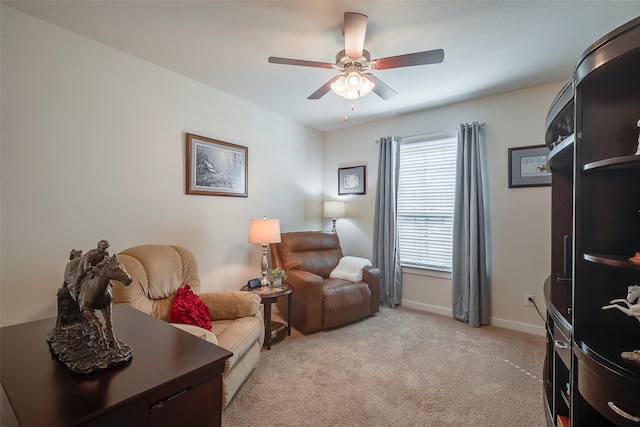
{"points": [[631, 309], [638, 150]]}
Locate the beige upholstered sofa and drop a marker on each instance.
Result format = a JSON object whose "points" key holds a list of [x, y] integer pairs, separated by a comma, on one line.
{"points": [[237, 322]]}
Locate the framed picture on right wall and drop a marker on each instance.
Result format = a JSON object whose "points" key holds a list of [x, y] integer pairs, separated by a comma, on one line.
{"points": [[527, 166]]}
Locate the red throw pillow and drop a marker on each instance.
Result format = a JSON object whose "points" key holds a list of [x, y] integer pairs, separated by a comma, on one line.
{"points": [[188, 308]]}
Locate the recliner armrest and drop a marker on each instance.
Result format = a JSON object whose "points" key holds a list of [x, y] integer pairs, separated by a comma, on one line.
{"points": [[231, 304], [306, 286], [197, 331], [371, 275], [307, 297]]}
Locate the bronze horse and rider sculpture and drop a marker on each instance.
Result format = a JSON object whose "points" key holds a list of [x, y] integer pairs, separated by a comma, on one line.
{"points": [[87, 288]]}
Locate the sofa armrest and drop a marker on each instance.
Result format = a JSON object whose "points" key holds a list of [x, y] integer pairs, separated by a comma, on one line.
{"points": [[231, 304], [307, 300], [197, 331], [371, 275]]}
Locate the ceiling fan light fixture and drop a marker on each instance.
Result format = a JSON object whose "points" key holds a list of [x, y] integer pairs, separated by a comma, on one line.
{"points": [[354, 60], [352, 85], [354, 80]]}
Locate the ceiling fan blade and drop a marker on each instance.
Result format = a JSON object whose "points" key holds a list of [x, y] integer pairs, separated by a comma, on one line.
{"points": [[300, 62], [355, 28], [323, 89], [380, 88], [409, 60]]}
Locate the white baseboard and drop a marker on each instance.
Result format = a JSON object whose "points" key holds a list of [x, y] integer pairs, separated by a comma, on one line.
{"points": [[507, 324], [427, 307], [517, 326]]}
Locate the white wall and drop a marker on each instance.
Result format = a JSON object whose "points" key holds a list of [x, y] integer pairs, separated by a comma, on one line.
{"points": [[519, 218], [92, 147]]}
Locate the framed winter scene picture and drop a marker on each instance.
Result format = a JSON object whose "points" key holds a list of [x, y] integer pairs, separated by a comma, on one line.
{"points": [[216, 168]]}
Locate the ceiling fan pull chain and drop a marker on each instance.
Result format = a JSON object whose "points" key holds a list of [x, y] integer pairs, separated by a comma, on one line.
{"points": [[353, 107]]}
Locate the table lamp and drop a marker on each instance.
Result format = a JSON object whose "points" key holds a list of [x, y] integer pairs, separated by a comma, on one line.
{"points": [[334, 210], [264, 231]]}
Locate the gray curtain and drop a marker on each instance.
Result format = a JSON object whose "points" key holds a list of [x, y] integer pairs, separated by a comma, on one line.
{"points": [[385, 231], [470, 284]]}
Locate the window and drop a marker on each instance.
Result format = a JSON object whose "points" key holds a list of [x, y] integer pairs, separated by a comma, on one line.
{"points": [[426, 190]]}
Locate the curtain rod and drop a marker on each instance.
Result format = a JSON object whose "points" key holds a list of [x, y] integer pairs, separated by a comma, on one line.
{"points": [[483, 124]]}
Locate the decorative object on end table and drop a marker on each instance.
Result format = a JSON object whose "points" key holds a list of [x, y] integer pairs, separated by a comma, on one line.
{"points": [[527, 166], [216, 168], [352, 180], [333, 210], [78, 339], [277, 274], [253, 283], [264, 231], [631, 309]]}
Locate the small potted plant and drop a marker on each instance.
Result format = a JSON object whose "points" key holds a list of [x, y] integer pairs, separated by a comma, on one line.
{"points": [[278, 274]]}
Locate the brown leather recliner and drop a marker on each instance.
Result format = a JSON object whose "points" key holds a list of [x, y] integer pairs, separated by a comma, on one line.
{"points": [[318, 301]]}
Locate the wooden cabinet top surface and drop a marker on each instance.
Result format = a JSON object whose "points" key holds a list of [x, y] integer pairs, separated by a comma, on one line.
{"points": [[42, 391]]}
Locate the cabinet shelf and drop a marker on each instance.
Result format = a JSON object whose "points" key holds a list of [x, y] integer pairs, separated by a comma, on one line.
{"points": [[560, 120], [561, 319], [624, 162], [611, 260], [560, 159], [608, 356], [566, 398]]}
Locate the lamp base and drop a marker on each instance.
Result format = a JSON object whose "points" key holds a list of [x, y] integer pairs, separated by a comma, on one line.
{"points": [[264, 281], [333, 230]]}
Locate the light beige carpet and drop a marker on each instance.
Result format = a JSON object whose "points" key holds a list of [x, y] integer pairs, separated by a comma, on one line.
{"points": [[401, 367]]}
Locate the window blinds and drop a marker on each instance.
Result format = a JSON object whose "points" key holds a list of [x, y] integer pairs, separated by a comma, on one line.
{"points": [[425, 200]]}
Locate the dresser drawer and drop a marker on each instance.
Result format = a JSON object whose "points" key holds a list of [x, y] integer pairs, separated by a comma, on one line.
{"points": [[615, 397], [193, 407], [562, 345]]}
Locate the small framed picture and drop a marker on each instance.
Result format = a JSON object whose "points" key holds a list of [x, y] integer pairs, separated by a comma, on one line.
{"points": [[352, 180], [216, 168], [527, 166]]}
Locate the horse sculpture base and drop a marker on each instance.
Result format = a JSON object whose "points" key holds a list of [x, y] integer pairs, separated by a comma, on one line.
{"points": [[77, 346], [75, 342]]}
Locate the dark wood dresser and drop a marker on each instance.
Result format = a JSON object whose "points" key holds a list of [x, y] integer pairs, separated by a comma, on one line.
{"points": [[174, 378]]}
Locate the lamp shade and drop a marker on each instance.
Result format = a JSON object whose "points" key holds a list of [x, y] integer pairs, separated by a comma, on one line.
{"points": [[264, 231], [334, 210]]}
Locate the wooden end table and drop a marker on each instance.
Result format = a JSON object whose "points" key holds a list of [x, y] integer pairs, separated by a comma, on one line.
{"points": [[273, 331]]}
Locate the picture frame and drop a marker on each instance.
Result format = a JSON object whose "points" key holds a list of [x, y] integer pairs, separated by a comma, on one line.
{"points": [[352, 180], [527, 166], [215, 168]]}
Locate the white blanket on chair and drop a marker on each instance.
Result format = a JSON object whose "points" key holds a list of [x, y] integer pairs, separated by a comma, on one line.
{"points": [[350, 268]]}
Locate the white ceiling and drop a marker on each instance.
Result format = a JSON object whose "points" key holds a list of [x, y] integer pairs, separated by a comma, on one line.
{"points": [[490, 46]]}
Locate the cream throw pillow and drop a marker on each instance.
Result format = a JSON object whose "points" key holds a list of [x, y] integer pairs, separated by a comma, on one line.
{"points": [[350, 268]]}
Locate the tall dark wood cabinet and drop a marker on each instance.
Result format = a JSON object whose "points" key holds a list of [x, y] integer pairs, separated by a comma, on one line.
{"points": [[592, 131]]}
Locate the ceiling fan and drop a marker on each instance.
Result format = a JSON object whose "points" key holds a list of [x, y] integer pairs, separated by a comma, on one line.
{"points": [[354, 61]]}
